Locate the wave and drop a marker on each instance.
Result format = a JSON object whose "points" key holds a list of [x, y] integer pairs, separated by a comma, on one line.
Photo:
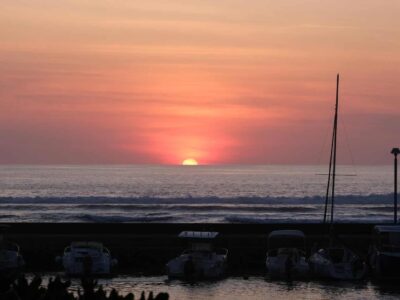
{"points": [[264, 220], [8, 216], [158, 207], [351, 208], [122, 219], [340, 199], [373, 218]]}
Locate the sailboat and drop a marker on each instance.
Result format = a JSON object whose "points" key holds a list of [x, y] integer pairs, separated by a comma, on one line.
{"points": [[335, 261]]}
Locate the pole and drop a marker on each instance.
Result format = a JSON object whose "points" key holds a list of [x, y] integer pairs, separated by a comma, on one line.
{"points": [[395, 189], [395, 152]]}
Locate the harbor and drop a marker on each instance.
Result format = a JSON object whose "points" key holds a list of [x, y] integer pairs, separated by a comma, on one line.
{"points": [[146, 248], [142, 251]]}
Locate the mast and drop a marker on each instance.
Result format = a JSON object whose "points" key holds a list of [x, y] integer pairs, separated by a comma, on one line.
{"points": [[334, 148], [332, 160], [329, 177]]}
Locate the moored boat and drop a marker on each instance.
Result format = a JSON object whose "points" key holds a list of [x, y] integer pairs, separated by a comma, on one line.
{"points": [[202, 260], [384, 256], [286, 256], [87, 259], [11, 260], [338, 263]]}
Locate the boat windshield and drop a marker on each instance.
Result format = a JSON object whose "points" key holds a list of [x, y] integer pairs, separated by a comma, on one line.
{"points": [[202, 247], [286, 242]]}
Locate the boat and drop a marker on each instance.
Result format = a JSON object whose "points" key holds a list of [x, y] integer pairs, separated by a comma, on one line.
{"points": [[202, 260], [11, 260], [336, 261], [87, 259], [384, 256], [286, 256]]}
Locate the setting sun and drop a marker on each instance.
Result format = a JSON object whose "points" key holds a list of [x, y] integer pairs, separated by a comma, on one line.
{"points": [[189, 162]]}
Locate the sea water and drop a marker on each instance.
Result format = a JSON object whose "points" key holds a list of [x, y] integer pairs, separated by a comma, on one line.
{"points": [[254, 288], [223, 194]]}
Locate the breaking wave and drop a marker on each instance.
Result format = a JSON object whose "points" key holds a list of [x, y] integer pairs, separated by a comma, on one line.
{"points": [[350, 208], [340, 199], [122, 219]]}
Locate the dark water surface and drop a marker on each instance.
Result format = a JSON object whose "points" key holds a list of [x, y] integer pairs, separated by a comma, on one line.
{"points": [[254, 288]]}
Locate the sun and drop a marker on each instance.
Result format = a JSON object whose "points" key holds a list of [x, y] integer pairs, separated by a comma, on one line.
{"points": [[189, 162]]}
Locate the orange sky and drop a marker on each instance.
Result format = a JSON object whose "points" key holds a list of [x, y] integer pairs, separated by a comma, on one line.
{"points": [[90, 81]]}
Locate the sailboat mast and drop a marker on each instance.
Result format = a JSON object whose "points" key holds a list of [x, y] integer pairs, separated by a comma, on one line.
{"points": [[329, 181], [329, 175], [334, 147]]}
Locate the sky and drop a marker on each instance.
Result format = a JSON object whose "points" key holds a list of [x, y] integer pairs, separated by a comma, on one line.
{"points": [[222, 82]]}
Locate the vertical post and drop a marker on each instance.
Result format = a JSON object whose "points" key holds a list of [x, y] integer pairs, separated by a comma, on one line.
{"points": [[395, 152], [395, 189]]}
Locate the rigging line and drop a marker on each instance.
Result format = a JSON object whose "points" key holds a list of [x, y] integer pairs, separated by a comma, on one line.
{"points": [[323, 145], [348, 144]]}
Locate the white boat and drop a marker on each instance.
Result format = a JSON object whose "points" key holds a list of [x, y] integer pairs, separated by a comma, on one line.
{"points": [[338, 263], [201, 261], [11, 260], [286, 256], [87, 258], [384, 258]]}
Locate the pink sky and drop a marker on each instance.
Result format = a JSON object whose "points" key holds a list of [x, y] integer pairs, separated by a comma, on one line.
{"points": [[220, 81]]}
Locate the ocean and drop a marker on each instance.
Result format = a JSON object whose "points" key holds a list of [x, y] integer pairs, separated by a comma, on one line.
{"points": [[209, 194]]}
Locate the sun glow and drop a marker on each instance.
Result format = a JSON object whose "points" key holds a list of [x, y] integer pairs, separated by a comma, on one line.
{"points": [[189, 162]]}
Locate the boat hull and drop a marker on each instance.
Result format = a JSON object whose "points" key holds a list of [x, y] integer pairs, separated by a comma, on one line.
{"points": [[11, 262], [385, 265], [283, 267], [325, 268], [76, 265], [197, 267]]}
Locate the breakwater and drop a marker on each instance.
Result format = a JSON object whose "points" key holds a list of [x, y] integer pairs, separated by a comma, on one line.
{"points": [[145, 248]]}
